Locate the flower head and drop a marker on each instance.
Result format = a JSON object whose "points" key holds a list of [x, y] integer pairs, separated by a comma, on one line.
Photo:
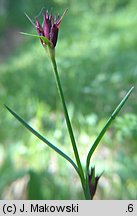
{"points": [[49, 29], [93, 181]]}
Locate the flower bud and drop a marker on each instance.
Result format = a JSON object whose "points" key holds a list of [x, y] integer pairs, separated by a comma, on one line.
{"points": [[50, 28], [93, 181]]}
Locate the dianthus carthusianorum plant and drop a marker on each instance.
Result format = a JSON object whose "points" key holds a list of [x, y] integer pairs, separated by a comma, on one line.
{"points": [[48, 35]]}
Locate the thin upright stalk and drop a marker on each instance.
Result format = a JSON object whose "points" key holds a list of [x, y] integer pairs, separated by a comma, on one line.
{"points": [[74, 145]]}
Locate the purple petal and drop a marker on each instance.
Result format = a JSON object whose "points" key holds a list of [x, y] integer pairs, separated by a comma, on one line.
{"points": [[59, 19], [39, 30], [47, 25], [54, 34]]}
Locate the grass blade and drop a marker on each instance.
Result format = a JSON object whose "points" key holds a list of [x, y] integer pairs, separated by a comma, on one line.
{"points": [[43, 139], [46, 40], [112, 117]]}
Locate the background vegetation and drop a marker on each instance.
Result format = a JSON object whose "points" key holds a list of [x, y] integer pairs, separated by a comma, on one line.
{"points": [[97, 59]]}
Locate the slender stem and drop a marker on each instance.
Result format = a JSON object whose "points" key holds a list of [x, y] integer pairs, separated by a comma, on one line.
{"points": [[54, 65], [112, 117]]}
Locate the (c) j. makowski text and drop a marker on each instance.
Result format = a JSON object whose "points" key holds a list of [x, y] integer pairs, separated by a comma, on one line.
{"points": [[51, 208]]}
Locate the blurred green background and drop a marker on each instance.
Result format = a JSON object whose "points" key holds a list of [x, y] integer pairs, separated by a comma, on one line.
{"points": [[97, 60]]}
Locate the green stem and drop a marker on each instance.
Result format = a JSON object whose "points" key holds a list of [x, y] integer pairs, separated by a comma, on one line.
{"points": [[112, 117], [54, 65]]}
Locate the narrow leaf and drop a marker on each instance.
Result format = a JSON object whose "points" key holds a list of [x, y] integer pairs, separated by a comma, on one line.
{"points": [[46, 40], [112, 117], [30, 19], [43, 139]]}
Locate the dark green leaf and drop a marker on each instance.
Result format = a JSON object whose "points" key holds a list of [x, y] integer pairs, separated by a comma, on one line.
{"points": [[42, 138], [112, 117]]}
